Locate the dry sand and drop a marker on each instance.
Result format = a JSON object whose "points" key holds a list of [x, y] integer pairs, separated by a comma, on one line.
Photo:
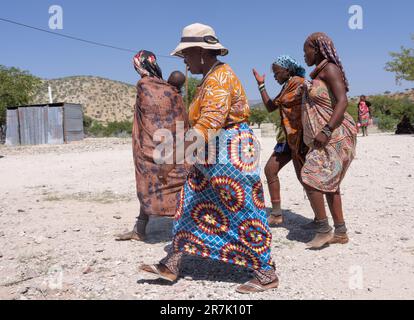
{"points": [[60, 207]]}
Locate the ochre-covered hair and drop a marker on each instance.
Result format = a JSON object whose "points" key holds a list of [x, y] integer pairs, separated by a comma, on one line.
{"points": [[326, 47]]}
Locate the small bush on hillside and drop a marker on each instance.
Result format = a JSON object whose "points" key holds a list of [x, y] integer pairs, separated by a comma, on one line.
{"points": [[112, 129]]}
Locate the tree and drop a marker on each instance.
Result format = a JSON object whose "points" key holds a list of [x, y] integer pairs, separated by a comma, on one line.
{"points": [[192, 88], [402, 64], [258, 116], [390, 111], [17, 88], [274, 117]]}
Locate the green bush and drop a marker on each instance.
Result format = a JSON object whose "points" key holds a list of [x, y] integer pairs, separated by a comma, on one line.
{"points": [[17, 88], [118, 128], [258, 116], [111, 129], [274, 118], [387, 123], [353, 110], [192, 89], [395, 108], [390, 111], [87, 122]]}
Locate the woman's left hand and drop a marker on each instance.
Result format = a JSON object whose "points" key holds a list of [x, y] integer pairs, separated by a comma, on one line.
{"points": [[164, 172], [321, 140]]}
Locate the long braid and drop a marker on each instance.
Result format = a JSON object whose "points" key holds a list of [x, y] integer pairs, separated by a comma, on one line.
{"points": [[327, 48]]}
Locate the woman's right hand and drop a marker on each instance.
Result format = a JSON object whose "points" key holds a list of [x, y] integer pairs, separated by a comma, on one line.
{"points": [[260, 79]]}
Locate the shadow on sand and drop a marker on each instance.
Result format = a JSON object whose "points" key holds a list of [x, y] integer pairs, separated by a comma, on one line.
{"points": [[293, 222], [159, 230], [199, 269]]}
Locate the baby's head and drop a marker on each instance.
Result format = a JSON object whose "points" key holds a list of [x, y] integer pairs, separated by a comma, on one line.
{"points": [[177, 79]]}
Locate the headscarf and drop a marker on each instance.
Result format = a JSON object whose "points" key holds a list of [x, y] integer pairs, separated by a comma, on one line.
{"points": [[145, 63], [326, 47], [287, 62]]}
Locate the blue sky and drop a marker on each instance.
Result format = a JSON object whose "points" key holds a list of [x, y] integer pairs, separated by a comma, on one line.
{"points": [[254, 31]]}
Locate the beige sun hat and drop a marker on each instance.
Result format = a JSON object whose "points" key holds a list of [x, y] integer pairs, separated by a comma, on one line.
{"points": [[199, 35]]}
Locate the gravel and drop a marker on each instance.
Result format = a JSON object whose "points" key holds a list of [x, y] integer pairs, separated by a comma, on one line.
{"points": [[64, 247]]}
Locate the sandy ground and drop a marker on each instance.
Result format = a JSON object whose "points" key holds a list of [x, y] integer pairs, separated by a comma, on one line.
{"points": [[60, 207]]}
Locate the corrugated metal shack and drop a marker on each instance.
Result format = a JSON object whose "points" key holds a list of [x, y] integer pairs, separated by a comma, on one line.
{"points": [[55, 123]]}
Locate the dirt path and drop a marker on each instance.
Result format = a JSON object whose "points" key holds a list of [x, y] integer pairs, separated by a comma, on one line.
{"points": [[60, 207]]}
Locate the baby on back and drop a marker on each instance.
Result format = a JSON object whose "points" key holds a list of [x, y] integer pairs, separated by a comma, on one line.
{"points": [[177, 80]]}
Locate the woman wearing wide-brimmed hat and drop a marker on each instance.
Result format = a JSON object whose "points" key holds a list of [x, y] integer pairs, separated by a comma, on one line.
{"points": [[221, 213]]}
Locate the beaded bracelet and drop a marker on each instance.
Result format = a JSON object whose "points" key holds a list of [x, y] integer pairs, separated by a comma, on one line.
{"points": [[327, 131], [262, 87]]}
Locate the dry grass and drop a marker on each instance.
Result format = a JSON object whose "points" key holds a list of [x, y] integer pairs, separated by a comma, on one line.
{"points": [[106, 197]]}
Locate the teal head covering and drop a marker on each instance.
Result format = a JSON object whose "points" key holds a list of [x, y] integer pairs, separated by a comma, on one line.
{"points": [[287, 62]]}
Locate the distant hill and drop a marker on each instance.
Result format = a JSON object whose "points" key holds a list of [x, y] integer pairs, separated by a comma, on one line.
{"points": [[409, 93], [107, 100], [254, 103], [102, 99]]}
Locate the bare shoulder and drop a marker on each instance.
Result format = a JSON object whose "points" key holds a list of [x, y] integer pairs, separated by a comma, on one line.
{"points": [[330, 72]]}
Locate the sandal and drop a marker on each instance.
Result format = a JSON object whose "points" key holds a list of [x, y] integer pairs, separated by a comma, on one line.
{"points": [[155, 270], [130, 236], [251, 287]]}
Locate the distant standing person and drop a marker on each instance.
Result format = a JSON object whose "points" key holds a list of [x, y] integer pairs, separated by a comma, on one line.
{"points": [[364, 115], [330, 133], [159, 105], [290, 147]]}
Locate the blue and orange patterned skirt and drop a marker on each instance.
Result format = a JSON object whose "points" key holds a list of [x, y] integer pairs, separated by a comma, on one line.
{"points": [[220, 213]]}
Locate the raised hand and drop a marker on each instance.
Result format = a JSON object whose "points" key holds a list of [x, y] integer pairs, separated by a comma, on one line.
{"points": [[260, 79]]}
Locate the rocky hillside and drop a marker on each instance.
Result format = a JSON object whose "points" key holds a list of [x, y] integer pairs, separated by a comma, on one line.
{"points": [[107, 100], [102, 99], [408, 93]]}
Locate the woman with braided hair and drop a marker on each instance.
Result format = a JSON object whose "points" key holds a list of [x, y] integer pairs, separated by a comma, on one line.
{"points": [[330, 133]]}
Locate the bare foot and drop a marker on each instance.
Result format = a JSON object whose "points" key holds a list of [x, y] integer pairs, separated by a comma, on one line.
{"points": [[274, 221], [339, 239]]}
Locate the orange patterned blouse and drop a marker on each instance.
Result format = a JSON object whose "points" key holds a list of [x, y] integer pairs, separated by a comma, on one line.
{"points": [[220, 101], [289, 102]]}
